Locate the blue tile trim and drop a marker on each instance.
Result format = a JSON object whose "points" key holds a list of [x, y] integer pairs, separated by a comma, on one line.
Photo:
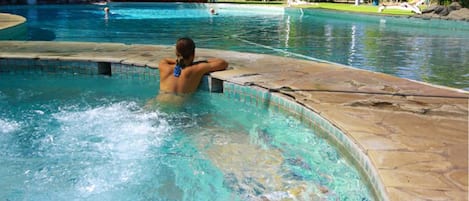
{"points": [[55, 66]]}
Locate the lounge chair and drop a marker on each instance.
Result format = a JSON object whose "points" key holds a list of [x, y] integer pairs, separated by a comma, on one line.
{"points": [[404, 6]]}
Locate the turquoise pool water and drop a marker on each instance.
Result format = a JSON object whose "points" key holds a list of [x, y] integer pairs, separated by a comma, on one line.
{"points": [[68, 136], [434, 51]]}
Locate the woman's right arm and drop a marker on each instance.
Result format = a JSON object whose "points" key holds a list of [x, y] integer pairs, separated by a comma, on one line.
{"points": [[216, 64]]}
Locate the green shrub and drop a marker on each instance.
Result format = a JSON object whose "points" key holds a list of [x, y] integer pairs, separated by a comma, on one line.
{"points": [[464, 3]]}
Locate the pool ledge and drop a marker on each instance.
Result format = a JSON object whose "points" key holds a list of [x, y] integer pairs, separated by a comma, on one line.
{"points": [[11, 26], [414, 135], [10, 20]]}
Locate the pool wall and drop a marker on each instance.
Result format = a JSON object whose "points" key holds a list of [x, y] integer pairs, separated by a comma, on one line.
{"points": [[408, 138], [74, 67]]}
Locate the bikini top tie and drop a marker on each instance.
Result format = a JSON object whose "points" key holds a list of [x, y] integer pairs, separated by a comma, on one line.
{"points": [[177, 70], [179, 66]]}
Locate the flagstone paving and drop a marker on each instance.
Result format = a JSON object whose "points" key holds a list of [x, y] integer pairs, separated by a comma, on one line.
{"points": [[9, 20], [12, 27], [414, 134]]}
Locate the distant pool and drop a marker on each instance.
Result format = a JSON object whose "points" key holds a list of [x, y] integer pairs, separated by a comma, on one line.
{"points": [[433, 51]]}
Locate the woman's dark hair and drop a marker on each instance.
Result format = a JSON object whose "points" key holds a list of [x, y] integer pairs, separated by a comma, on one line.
{"points": [[186, 47]]}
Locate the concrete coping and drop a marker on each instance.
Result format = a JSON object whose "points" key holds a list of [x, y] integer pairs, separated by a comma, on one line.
{"points": [[10, 20], [413, 134]]}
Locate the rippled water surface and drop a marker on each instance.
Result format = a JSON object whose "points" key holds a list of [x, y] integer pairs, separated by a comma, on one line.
{"points": [[72, 137], [434, 51]]}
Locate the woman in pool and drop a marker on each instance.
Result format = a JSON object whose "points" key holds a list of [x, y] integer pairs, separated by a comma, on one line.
{"points": [[181, 76]]}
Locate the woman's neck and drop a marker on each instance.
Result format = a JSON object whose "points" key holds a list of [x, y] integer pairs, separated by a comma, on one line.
{"points": [[187, 62]]}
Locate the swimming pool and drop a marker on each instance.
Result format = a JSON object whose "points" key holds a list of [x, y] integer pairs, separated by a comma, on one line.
{"points": [[433, 51], [65, 135]]}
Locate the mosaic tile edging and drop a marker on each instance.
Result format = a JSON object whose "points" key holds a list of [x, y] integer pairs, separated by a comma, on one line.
{"points": [[84, 67], [264, 98], [61, 67]]}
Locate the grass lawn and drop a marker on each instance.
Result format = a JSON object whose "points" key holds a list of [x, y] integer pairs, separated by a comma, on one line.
{"points": [[362, 8], [280, 3]]}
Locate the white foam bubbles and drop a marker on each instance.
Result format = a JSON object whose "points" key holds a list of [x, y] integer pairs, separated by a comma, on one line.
{"points": [[112, 142], [122, 125], [8, 126]]}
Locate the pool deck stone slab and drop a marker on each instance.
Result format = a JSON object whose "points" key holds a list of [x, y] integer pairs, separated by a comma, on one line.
{"points": [[10, 20], [415, 134]]}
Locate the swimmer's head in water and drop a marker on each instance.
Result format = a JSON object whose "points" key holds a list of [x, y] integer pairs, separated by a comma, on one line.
{"points": [[106, 9]]}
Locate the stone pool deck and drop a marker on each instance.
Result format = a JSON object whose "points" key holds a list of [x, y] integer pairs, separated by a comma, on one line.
{"points": [[12, 26], [415, 134], [9, 20]]}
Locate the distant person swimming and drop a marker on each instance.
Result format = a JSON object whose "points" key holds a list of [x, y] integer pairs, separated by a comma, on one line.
{"points": [[213, 12], [106, 12]]}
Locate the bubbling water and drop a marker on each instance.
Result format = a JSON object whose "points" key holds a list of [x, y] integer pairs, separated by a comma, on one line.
{"points": [[119, 135], [8, 126], [91, 152]]}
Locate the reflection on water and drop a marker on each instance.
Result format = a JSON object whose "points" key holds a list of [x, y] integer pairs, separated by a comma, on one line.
{"points": [[397, 46], [435, 51]]}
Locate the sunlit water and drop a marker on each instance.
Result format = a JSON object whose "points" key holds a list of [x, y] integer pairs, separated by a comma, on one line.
{"points": [[434, 51], [72, 137]]}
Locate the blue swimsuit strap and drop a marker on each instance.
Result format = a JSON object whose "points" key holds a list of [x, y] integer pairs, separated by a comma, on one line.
{"points": [[177, 70], [179, 66]]}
